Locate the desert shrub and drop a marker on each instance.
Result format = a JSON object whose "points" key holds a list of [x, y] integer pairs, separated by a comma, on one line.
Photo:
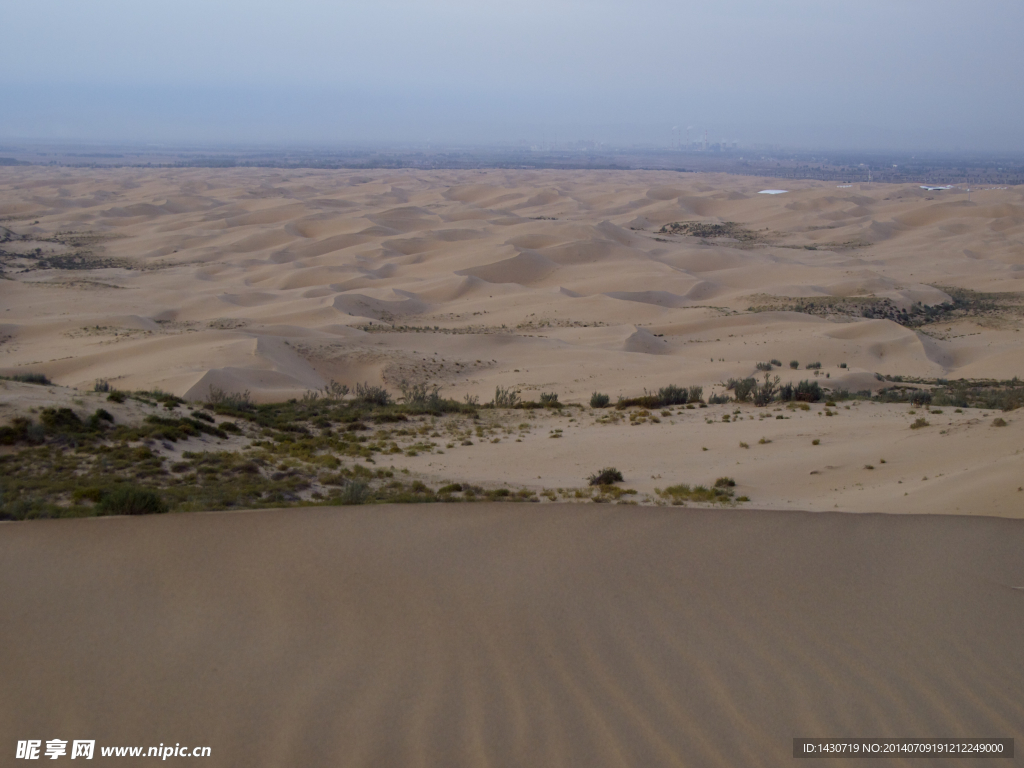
{"points": [[743, 388], [807, 392], [813, 366], [725, 482], [776, 363], [717, 399], [334, 391], [794, 364], [764, 392], [131, 500], [450, 488], [372, 394], [419, 394], [16, 432], [229, 426], [672, 395], [999, 422], [919, 422], [505, 397], [31, 378], [354, 492], [920, 397], [764, 366], [549, 399], [599, 400], [842, 365], [101, 386], [606, 476], [232, 401], [117, 397], [695, 394], [96, 421], [61, 420], [201, 416]]}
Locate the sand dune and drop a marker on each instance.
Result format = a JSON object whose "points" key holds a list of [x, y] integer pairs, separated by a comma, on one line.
{"points": [[510, 635], [543, 281]]}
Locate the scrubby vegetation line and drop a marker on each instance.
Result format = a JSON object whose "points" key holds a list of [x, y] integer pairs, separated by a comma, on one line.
{"points": [[324, 447]]}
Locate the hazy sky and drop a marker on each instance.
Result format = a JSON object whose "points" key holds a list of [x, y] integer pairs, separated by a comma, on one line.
{"points": [[927, 74]]}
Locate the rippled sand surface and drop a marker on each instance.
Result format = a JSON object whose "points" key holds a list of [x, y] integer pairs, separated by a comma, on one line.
{"points": [[510, 635]]}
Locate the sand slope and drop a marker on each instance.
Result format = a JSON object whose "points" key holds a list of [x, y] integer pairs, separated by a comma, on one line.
{"points": [[244, 254], [510, 635]]}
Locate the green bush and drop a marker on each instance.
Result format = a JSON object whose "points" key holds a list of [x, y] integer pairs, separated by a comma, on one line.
{"points": [[117, 397], [807, 392], [549, 399], [599, 400], [131, 500], [794, 364], [372, 394], [743, 388], [61, 420]]}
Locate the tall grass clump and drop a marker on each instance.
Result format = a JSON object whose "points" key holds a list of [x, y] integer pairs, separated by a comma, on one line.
{"points": [[219, 398], [599, 400], [505, 397], [373, 394], [131, 500], [549, 400]]}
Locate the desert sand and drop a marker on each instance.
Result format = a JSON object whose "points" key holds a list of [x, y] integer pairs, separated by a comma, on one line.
{"points": [[546, 634], [276, 282], [510, 635]]}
